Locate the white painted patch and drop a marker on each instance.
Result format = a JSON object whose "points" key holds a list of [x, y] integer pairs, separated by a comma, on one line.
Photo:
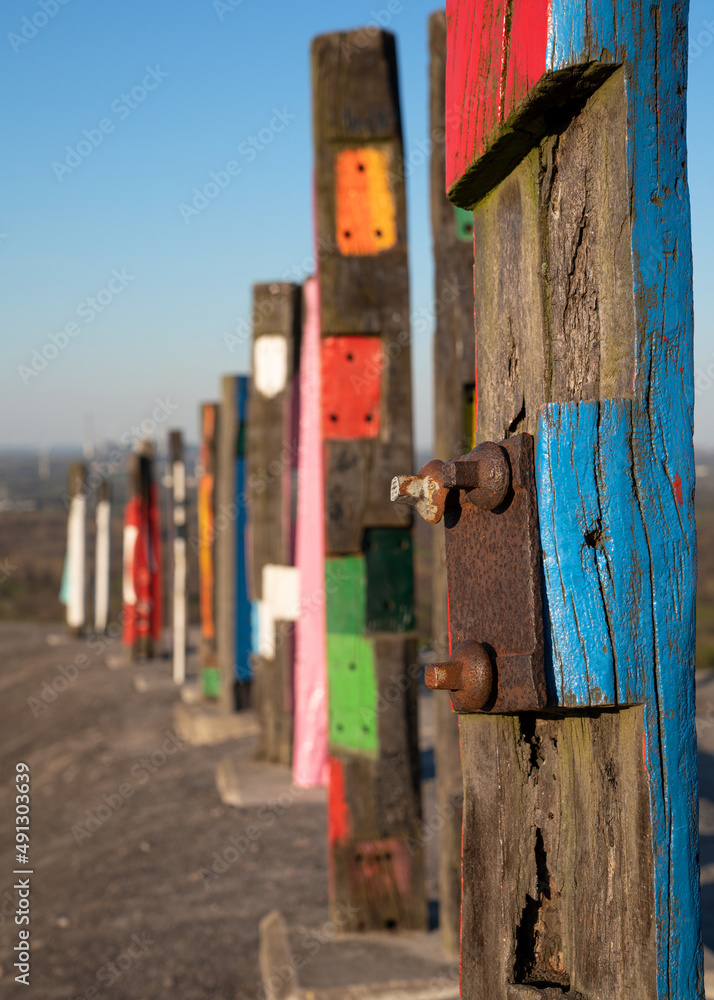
{"points": [[281, 603], [281, 590], [101, 564], [76, 552], [270, 364], [266, 631], [131, 534]]}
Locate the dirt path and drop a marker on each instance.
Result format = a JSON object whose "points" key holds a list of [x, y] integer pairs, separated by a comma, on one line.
{"points": [[125, 888]]}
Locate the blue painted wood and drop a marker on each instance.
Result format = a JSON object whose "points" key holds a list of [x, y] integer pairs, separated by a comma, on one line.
{"points": [[243, 630], [622, 610]]}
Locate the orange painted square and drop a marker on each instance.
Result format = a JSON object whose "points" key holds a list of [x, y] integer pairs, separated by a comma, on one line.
{"points": [[351, 386], [365, 212]]}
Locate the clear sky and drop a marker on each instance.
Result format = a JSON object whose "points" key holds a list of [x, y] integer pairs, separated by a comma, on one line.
{"points": [[102, 220]]}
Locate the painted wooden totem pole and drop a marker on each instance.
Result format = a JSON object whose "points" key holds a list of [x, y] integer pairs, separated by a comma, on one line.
{"points": [[232, 604], [141, 624], [454, 391], [178, 519], [206, 501], [273, 417], [569, 529], [375, 862]]}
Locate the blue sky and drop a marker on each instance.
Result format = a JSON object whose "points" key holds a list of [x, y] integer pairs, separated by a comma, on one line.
{"points": [[105, 224]]}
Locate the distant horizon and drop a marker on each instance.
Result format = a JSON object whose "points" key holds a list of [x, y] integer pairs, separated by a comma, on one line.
{"points": [[138, 283]]}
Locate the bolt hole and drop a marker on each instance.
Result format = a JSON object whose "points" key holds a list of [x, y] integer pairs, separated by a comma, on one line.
{"points": [[388, 856], [360, 166], [353, 666], [347, 234], [593, 538], [378, 233], [350, 357], [365, 729], [333, 418], [358, 858], [368, 418], [390, 924], [340, 727]]}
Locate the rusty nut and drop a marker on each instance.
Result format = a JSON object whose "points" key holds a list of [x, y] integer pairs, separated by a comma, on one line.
{"points": [[485, 475], [467, 674]]}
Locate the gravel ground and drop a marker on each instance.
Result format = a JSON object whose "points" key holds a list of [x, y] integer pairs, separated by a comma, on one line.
{"points": [[119, 905], [125, 822]]}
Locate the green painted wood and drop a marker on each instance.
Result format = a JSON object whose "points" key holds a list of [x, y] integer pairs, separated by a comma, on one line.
{"points": [[346, 588], [211, 682], [352, 681], [464, 222], [390, 580]]}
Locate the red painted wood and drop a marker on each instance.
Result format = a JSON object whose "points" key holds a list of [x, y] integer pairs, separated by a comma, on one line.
{"points": [[493, 61], [526, 50], [351, 386], [142, 619], [339, 826]]}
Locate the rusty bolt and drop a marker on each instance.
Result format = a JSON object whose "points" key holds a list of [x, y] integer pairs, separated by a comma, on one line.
{"points": [[467, 674], [423, 491], [484, 473]]}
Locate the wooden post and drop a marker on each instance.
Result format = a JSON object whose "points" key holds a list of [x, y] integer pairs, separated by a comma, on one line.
{"points": [[74, 592], [375, 863], [102, 564], [273, 410], [232, 604], [141, 627], [580, 843], [454, 429], [206, 474], [178, 513]]}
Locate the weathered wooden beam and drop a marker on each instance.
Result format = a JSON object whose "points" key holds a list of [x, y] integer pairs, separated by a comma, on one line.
{"points": [[232, 603], [178, 514], [570, 150], [454, 429], [374, 804], [272, 451], [206, 547]]}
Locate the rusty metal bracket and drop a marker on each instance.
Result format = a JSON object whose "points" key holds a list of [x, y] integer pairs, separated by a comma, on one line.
{"points": [[493, 562]]}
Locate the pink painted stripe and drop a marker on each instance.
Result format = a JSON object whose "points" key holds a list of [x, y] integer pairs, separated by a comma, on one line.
{"points": [[310, 764]]}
